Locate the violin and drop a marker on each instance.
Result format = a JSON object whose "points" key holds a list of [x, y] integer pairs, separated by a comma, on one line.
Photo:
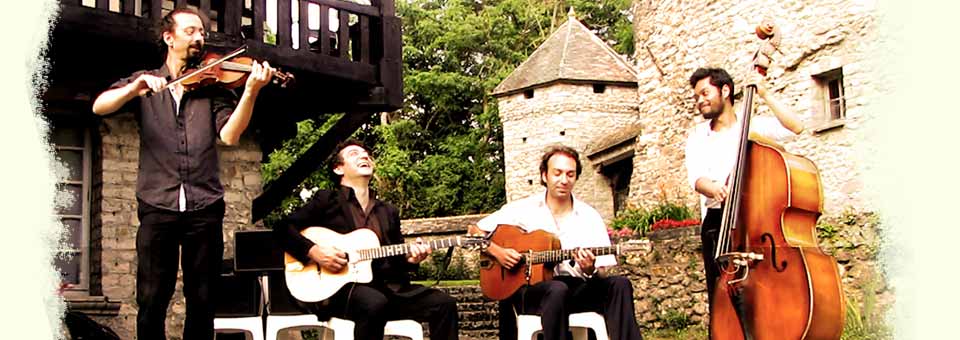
{"points": [[229, 71]]}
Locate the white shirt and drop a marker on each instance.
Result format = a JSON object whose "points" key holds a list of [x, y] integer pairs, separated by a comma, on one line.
{"points": [[182, 201], [582, 227], [713, 154]]}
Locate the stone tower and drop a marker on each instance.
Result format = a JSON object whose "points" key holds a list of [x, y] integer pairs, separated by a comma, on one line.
{"points": [[573, 90]]}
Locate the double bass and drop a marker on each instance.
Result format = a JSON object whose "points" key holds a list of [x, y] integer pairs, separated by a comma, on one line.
{"points": [[775, 282]]}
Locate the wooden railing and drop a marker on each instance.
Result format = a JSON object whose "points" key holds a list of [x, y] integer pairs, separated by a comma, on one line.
{"points": [[364, 46]]}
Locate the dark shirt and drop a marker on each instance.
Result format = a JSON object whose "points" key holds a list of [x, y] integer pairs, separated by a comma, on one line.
{"points": [[339, 211], [179, 149]]}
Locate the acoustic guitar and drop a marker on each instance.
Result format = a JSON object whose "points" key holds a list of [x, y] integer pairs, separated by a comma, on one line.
{"points": [[311, 282], [536, 248]]}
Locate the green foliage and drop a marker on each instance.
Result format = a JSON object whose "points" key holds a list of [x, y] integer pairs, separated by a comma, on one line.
{"points": [[308, 131], [641, 219], [695, 332], [457, 270], [827, 230], [310, 334], [269, 36], [675, 320], [609, 20], [863, 321]]}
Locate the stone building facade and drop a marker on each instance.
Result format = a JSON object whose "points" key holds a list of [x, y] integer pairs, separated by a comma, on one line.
{"points": [[826, 47], [572, 89]]}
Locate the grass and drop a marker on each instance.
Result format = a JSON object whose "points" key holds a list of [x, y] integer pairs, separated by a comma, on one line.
{"points": [[447, 283], [697, 332]]}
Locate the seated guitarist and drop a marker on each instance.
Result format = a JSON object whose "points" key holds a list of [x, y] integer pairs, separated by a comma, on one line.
{"points": [[390, 296], [579, 285]]}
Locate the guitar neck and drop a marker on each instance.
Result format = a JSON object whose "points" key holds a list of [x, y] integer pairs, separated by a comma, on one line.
{"points": [[404, 249], [566, 254]]}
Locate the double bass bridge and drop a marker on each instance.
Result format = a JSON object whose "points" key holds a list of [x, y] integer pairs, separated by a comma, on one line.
{"points": [[732, 262]]}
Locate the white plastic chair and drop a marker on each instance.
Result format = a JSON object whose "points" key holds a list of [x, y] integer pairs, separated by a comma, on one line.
{"points": [[529, 325], [336, 328], [280, 323], [251, 326], [343, 329]]}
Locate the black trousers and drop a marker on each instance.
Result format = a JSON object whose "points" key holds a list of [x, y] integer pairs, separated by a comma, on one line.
{"points": [[196, 239], [708, 245], [554, 300], [371, 307]]}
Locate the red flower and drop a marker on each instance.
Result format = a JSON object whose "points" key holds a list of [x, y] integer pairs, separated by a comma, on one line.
{"points": [[671, 224]]}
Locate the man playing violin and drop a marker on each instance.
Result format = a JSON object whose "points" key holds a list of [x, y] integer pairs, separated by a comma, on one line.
{"points": [[390, 295], [711, 149], [579, 285], [179, 194]]}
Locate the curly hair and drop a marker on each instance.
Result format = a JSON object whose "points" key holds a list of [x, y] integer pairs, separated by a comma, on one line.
{"points": [[718, 78]]}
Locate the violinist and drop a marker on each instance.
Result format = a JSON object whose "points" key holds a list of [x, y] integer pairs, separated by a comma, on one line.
{"points": [[711, 149], [179, 195]]}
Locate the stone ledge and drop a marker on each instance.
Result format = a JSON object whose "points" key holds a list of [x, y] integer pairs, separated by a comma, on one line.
{"points": [[94, 305], [439, 225], [674, 233], [833, 124]]}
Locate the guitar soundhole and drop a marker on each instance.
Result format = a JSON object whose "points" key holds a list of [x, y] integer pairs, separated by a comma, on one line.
{"points": [[485, 263]]}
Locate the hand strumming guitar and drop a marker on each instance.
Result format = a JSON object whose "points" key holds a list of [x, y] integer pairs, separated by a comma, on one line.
{"points": [[330, 258], [506, 256]]}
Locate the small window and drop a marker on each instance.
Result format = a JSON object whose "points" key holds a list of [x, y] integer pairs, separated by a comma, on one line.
{"points": [[528, 94], [71, 141], [832, 98], [599, 88]]}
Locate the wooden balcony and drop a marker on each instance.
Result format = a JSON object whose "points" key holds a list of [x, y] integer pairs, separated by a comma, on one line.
{"points": [[358, 68], [345, 57]]}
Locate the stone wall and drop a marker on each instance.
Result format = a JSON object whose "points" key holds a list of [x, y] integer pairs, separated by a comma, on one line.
{"points": [[569, 114], [674, 38], [119, 149]]}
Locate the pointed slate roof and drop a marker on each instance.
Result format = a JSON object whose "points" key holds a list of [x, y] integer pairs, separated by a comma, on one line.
{"points": [[605, 142], [574, 53]]}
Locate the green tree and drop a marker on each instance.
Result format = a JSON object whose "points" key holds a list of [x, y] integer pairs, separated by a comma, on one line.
{"points": [[442, 153]]}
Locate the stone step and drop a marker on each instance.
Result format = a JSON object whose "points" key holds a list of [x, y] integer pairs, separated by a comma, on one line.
{"points": [[479, 325], [477, 316], [479, 334], [477, 307]]}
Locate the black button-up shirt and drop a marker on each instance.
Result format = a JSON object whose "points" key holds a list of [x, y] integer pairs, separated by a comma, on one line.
{"points": [[179, 149], [339, 211]]}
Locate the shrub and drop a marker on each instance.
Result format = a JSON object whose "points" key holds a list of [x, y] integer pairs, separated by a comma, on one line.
{"points": [[642, 220]]}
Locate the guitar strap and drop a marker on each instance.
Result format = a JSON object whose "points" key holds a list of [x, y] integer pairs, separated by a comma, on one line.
{"points": [[444, 264]]}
